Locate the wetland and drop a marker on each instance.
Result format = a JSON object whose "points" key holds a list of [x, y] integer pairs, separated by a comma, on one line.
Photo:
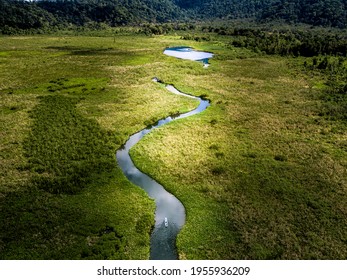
{"points": [[261, 173]]}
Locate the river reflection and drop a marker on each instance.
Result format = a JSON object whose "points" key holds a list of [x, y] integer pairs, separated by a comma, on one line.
{"points": [[170, 212], [189, 53], [167, 206]]}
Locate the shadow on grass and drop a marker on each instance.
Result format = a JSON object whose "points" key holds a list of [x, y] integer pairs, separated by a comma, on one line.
{"points": [[80, 51], [52, 218], [64, 149], [38, 225]]}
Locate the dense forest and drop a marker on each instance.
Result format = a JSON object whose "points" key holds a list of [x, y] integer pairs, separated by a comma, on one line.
{"points": [[24, 15], [315, 12]]}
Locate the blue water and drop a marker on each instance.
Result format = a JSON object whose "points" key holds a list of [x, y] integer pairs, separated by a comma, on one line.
{"points": [[170, 213], [189, 53], [163, 238]]}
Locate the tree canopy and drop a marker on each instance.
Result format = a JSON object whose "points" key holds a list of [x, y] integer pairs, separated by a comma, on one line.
{"points": [[40, 14]]}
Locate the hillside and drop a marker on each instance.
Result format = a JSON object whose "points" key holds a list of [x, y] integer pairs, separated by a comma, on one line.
{"points": [[315, 12], [21, 15]]}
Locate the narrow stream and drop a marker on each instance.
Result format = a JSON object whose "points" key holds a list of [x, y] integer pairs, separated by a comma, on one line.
{"points": [[170, 212]]}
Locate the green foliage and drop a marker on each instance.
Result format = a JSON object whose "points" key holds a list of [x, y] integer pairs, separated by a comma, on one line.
{"points": [[290, 42], [65, 149], [106, 245], [38, 225], [67, 103], [44, 16], [334, 93], [16, 16], [197, 38], [261, 174], [314, 12]]}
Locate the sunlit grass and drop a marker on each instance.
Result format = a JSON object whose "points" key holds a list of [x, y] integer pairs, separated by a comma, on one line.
{"points": [[259, 177], [67, 104], [262, 175]]}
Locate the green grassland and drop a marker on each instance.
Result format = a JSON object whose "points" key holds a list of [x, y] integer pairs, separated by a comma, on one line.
{"points": [[261, 172], [262, 175], [67, 104]]}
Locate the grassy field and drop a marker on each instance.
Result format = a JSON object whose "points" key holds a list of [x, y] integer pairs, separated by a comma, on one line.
{"points": [[67, 104], [261, 172]]}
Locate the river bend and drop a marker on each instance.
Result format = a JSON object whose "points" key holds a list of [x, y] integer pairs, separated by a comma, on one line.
{"points": [[170, 212]]}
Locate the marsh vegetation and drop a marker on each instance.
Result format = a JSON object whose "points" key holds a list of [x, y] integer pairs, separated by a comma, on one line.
{"points": [[261, 173]]}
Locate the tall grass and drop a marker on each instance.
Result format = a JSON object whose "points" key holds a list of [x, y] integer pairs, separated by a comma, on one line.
{"points": [[66, 150], [261, 173], [67, 103], [258, 173]]}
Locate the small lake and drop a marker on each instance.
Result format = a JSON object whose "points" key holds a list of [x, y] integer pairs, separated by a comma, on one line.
{"points": [[189, 53]]}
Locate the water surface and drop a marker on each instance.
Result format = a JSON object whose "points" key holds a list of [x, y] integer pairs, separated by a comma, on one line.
{"points": [[170, 213], [189, 53]]}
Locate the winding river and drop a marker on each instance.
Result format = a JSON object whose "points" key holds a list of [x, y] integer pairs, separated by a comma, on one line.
{"points": [[170, 212]]}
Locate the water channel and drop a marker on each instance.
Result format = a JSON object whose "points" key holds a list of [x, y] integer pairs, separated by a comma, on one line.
{"points": [[170, 213]]}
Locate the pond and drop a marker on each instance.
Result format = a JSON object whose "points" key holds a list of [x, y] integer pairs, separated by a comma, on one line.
{"points": [[189, 53]]}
